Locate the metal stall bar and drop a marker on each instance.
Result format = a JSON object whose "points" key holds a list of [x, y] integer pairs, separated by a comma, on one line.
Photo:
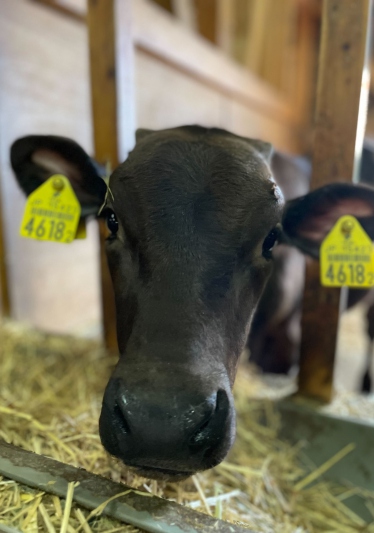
{"points": [[143, 510], [110, 48], [341, 63]]}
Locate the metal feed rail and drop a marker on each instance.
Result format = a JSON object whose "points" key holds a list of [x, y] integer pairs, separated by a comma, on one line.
{"points": [[147, 512]]}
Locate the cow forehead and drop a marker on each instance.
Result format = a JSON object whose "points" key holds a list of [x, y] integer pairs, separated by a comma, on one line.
{"points": [[215, 185]]}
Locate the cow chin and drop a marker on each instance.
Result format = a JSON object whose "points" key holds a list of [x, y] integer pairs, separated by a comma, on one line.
{"points": [[167, 433], [162, 475]]}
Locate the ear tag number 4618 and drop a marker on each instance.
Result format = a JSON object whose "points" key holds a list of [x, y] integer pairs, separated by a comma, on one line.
{"points": [[52, 212], [347, 256]]}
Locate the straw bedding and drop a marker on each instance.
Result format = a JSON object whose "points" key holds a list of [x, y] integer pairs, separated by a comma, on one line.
{"points": [[50, 395]]}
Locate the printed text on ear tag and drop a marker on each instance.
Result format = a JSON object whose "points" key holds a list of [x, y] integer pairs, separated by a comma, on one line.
{"points": [[347, 256], [52, 212]]}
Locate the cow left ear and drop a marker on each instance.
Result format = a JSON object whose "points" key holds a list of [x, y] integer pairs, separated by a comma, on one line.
{"points": [[36, 158], [266, 149], [308, 219]]}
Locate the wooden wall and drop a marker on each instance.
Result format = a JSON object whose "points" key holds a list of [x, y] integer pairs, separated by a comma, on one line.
{"points": [[179, 78], [44, 89]]}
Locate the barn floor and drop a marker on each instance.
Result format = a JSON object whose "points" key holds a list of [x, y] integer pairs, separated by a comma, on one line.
{"points": [[50, 394]]}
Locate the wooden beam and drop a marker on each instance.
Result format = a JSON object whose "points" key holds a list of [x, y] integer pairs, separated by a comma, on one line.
{"points": [[184, 10], [165, 4], [306, 50], [225, 25], [104, 112], [108, 22], [256, 35], [341, 62], [206, 14], [63, 9]]}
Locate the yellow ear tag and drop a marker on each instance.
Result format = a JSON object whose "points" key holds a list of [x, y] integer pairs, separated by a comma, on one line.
{"points": [[81, 230], [347, 256], [52, 212]]}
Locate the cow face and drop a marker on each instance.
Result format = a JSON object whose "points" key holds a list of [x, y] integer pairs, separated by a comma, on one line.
{"points": [[193, 215]]}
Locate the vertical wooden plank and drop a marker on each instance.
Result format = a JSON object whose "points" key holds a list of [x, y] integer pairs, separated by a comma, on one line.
{"points": [[206, 14], [5, 309], [109, 54], [225, 25], [259, 11], [306, 59], [100, 18], [184, 10], [341, 62], [166, 4]]}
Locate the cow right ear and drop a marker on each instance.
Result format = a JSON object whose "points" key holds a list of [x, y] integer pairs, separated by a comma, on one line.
{"points": [[36, 158]]}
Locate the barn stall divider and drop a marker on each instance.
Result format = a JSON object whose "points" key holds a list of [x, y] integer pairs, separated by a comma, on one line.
{"points": [[118, 27]]}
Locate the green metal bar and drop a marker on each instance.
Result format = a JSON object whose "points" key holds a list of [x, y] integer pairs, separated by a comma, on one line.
{"points": [[324, 436], [147, 512]]}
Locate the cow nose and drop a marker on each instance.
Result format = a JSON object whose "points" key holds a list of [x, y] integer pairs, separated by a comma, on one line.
{"points": [[175, 436]]}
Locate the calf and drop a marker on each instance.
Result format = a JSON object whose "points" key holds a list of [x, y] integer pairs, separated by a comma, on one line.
{"points": [[193, 216], [274, 339]]}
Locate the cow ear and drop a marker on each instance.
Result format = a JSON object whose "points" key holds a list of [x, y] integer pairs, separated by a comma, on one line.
{"points": [[308, 219], [36, 158], [266, 149]]}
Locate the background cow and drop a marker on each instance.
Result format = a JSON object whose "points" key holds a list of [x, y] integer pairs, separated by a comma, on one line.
{"points": [[274, 339]]}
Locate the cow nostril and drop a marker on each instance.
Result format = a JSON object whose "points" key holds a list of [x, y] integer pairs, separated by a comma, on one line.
{"points": [[210, 428], [198, 437], [120, 421]]}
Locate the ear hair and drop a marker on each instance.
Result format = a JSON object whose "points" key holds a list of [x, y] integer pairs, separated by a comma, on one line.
{"points": [[266, 149]]}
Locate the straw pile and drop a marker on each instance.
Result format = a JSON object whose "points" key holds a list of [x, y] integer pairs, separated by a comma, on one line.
{"points": [[50, 394]]}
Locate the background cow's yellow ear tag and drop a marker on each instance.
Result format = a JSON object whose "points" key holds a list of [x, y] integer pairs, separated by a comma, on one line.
{"points": [[347, 256], [52, 212], [81, 230]]}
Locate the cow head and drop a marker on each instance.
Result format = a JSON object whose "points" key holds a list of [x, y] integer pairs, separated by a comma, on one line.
{"points": [[193, 215]]}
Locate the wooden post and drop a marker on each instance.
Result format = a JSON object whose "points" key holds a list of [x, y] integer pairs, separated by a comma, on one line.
{"points": [[341, 62], [206, 14], [256, 35], [112, 109], [184, 10], [306, 51], [225, 25]]}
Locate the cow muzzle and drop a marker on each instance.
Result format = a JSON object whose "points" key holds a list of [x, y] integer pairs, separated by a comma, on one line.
{"points": [[169, 432]]}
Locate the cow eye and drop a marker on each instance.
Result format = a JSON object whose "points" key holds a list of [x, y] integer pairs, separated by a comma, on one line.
{"points": [[112, 222], [269, 243]]}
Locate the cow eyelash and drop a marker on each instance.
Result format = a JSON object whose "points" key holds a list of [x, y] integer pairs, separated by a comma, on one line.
{"points": [[270, 242]]}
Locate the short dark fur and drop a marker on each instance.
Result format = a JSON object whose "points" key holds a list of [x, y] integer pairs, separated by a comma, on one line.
{"points": [[197, 215]]}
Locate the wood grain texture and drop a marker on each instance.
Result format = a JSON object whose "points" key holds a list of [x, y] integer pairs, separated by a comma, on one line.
{"points": [[68, 10], [304, 87], [170, 43], [341, 62], [101, 31], [43, 95], [206, 16], [225, 25], [45, 90]]}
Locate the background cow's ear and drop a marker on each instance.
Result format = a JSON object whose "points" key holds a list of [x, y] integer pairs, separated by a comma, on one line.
{"points": [[36, 158], [266, 149], [141, 133], [308, 219]]}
